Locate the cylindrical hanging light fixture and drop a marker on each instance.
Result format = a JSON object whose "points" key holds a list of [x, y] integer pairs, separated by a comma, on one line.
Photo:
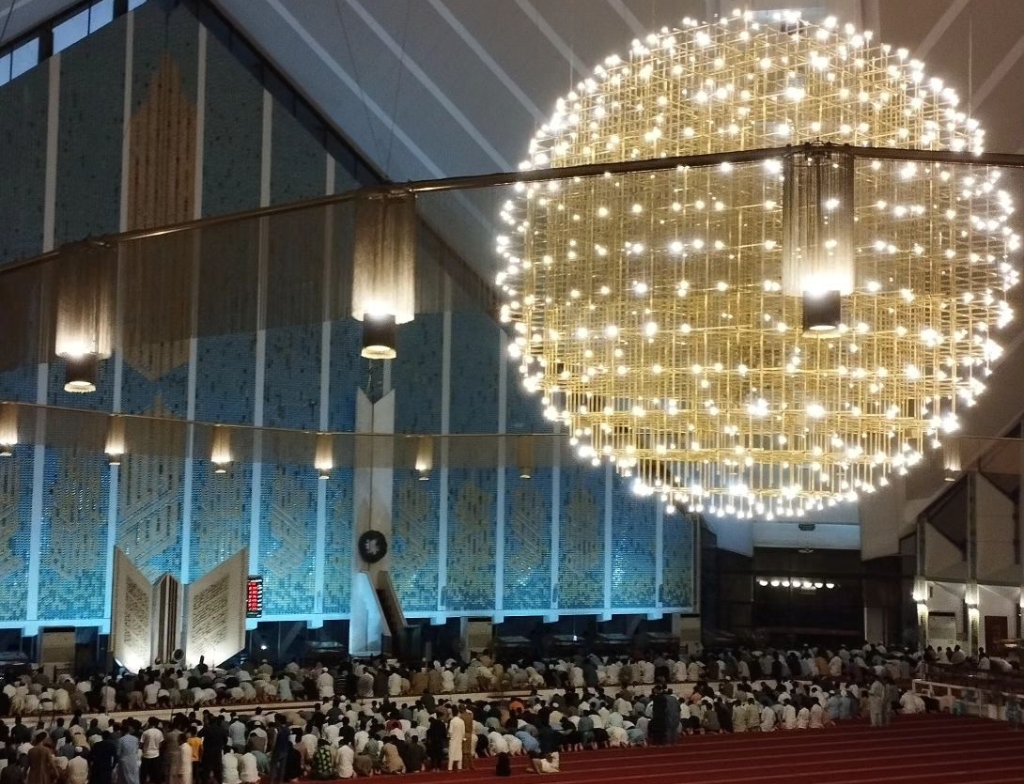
{"points": [[115, 446], [86, 293], [952, 465], [8, 429], [220, 453], [424, 457], [384, 270], [380, 337], [324, 455], [817, 230], [524, 456]]}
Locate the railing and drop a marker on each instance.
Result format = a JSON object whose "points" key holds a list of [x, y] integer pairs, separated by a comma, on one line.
{"points": [[969, 691]]}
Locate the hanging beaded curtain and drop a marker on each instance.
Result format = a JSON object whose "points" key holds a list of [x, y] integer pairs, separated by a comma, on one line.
{"points": [[86, 276], [384, 262], [8, 425]]}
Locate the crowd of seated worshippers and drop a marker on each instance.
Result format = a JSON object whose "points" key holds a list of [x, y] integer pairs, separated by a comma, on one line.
{"points": [[341, 738], [262, 683]]}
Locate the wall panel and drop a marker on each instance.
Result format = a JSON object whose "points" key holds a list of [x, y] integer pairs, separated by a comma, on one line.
{"points": [[680, 545], [414, 541], [90, 136], [472, 506], [220, 515], [634, 547], [233, 139], [581, 544], [15, 531], [73, 535], [288, 538], [151, 498], [338, 542], [527, 540], [23, 163]]}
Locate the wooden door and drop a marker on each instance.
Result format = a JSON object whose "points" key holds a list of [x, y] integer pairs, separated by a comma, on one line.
{"points": [[996, 630]]}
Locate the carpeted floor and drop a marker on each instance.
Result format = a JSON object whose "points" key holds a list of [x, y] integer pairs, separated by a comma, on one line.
{"points": [[928, 749]]}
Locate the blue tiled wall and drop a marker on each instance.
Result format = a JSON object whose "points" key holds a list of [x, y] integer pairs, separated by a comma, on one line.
{"points": [[15, 531], [220, 515], [225, 378], [677, 580], [474, 407], [233, 136], [73, 550], [338, 542], [153, 391], [528, 505], [151, 499], [581, 541], [90, 137], [471, 529], [288, 538], [634, 531], [292, 385], [416, 375], [414, 541], [298, 163], [19, 384], [348, 373], [23, 163]]}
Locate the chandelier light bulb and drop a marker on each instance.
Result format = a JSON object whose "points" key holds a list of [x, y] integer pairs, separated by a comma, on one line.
{"points": [[817, 319]]}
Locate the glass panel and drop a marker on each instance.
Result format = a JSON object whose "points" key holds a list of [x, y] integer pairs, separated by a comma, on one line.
{"points": [[71, 31], [100, 14], [24, 57]]}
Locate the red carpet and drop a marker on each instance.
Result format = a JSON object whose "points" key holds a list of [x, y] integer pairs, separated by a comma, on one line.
{"points": [[928, 749]]}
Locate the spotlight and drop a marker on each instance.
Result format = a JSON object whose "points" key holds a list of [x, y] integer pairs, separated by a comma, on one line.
{"points": [[80, 373], [379, 337], [324, 473], [6, 450]]}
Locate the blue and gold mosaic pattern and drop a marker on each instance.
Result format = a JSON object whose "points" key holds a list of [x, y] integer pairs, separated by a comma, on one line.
{"points": [[15, 531], [151, 498], [677, 579], [414, 541], [338, 542], [581, 541], [472, 505], [73, 541], [220, 515], [527, 540], [634, 532], [288, 538]]}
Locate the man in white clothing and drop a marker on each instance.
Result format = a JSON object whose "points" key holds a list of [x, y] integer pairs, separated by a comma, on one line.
{"points": [[548, 764], [248, 768], [325, 684], [149, 744], [456, 734], [767, 719], [345, 758]]}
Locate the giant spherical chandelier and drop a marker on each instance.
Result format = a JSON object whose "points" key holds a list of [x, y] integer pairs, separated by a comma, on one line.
{"points": [[759, 338]]}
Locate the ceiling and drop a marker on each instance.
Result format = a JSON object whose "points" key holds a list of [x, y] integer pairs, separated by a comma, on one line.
{"points": [[434, 88], [430, 88]]}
